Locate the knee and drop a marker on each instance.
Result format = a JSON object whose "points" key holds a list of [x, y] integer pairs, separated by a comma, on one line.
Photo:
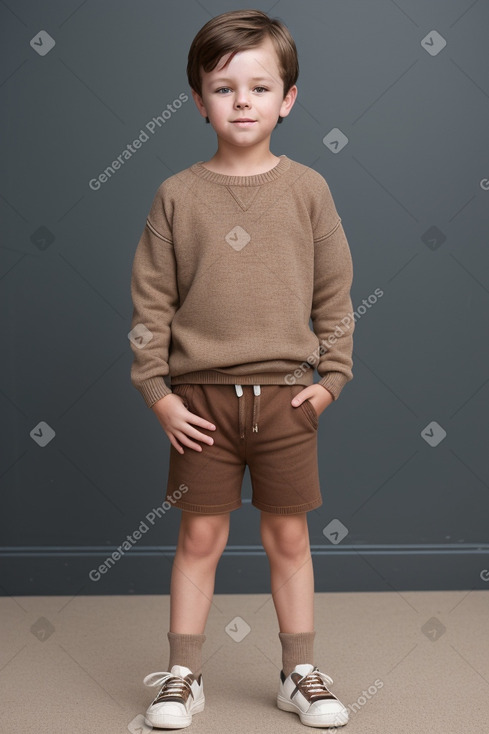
{"points": [[285, 536], [202, 536]]}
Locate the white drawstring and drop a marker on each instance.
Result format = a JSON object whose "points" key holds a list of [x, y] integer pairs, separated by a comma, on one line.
{"points": [[256, 408]]}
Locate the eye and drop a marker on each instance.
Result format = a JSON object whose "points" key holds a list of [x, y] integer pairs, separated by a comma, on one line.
{"points": [[227, 89]]}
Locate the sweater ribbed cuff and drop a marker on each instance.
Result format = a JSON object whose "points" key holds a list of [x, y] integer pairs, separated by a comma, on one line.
{"points": [[334, 382], [153, 390]]}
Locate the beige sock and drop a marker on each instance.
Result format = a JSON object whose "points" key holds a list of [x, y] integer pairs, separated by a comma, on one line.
{"points": [[186, 649], [297, 648]]}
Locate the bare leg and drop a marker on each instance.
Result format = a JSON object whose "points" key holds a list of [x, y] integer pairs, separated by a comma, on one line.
{"points": [[286, 542], [201, 541]]}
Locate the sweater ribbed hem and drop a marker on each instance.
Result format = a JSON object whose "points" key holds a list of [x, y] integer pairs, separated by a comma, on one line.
{"points": [[334, 382], [156, 388], [213, 377], [153, 390], [255, 180]]}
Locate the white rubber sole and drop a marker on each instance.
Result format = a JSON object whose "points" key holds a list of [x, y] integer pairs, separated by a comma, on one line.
{"points": [[334, 719], [169, 721]]}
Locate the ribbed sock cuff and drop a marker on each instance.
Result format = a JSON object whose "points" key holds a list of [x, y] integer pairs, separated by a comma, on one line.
{"points": [[297, 648], [186, 649]]}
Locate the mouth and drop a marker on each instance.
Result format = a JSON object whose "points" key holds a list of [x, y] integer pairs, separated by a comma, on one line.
{"points": [[244, 122]]}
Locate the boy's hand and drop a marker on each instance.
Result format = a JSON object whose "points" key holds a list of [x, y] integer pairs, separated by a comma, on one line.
{"points": [[177, 423], [318, 395]]}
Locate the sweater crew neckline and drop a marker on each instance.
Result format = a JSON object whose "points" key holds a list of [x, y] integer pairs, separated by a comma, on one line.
{"points": [[255, 180]]}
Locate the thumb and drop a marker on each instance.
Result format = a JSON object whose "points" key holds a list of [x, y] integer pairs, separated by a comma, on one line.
{"points": [[298, 399]]}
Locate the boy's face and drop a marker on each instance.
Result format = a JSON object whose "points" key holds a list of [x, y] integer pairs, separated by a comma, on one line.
{"points": [[249, 87]]}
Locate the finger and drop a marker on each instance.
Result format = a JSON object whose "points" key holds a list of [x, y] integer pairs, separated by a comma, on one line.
{"points": [[187, 429], [191, 432], [185, 439], [199, 421], [299, 399], [194, 419], [175, 444]]}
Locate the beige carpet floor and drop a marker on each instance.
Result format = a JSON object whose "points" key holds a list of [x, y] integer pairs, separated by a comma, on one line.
{"points": [[402, 662]]}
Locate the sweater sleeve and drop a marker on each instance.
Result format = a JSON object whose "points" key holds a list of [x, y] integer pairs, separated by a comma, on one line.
{"points": [[332, 310], [155, 299]]}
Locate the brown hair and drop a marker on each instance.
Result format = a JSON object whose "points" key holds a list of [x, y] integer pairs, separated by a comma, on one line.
{"points": [[236, 31]]}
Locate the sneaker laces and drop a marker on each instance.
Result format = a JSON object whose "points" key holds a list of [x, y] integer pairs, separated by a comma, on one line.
{"points": [[315, 681], [174, 685]]}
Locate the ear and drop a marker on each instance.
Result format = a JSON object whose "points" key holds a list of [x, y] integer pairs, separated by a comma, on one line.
{"points": [[199, 103], [288, 102]]}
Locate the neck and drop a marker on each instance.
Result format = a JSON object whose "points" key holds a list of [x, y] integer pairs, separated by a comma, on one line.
{"points": [[238, 161]]}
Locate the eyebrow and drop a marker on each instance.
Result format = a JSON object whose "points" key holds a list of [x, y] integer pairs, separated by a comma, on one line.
{"points": [[253, 79]]}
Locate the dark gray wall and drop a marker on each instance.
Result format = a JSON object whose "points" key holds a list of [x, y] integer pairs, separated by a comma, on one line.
{"points": [[412, 188]]}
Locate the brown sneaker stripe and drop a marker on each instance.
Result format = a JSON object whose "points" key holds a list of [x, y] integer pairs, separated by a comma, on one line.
{"points": [[176, 689], [303, 685]]}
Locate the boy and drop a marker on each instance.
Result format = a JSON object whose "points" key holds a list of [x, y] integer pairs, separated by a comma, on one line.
{"points": [[237, 254]]}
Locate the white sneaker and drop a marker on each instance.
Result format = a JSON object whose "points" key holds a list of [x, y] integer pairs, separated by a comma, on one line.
{"points": [[180, 696], [304, 692]]}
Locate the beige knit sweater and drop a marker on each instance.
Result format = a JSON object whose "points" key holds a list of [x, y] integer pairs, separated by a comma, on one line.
{"points": [[227, 275]]}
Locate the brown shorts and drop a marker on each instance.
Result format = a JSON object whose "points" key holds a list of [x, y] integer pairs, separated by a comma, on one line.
{"points": [[276, 440]]}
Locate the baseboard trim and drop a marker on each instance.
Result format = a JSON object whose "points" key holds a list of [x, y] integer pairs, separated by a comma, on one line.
{"points": [[65, 570]]}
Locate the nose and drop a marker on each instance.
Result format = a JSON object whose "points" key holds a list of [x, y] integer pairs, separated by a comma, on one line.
{"points": [[242, 100]]}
